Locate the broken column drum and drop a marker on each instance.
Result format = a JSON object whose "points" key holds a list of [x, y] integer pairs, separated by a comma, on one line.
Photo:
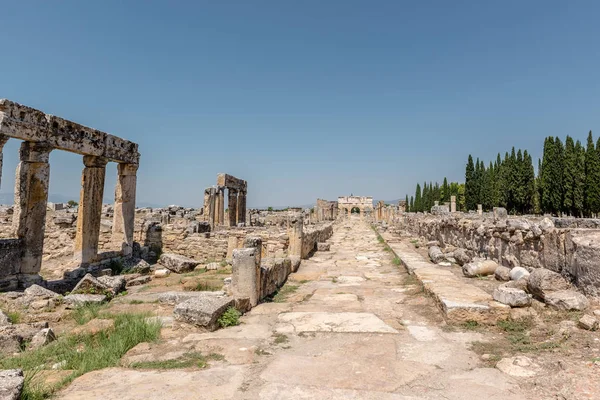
{"points": [[42, 133]]}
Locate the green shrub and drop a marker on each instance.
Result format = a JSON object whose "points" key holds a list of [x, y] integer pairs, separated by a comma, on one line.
{"points": [[231, 317]]}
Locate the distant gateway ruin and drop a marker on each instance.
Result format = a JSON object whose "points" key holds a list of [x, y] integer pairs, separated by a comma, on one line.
{"points": [[21, 257]]}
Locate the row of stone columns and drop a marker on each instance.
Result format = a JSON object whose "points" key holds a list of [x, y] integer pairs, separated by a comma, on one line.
{"points": [[214, 204], [31, 198]]}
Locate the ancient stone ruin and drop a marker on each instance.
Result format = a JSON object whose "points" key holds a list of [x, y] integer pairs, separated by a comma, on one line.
{"points": [[214, 201], [21, 257], [363, 204]]}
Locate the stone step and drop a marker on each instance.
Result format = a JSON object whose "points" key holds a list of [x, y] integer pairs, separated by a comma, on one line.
{"points": [[459, 301]]}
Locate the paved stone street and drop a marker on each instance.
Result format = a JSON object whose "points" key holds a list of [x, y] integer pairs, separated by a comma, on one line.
{"points": [[355, 327]]}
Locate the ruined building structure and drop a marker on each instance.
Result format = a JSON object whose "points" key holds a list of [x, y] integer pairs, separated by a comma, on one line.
{"points": [[364, 205], [21, 256], [214, 201]]}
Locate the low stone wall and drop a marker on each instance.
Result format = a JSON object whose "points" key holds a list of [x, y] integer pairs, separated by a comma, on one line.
{"points": [[273, 274], [10, 263], [314, 234], [529, 242]]}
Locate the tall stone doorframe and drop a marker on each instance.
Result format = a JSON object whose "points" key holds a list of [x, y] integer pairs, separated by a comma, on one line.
{"points": [[214, 201], [326, 210], [364, 204], [21, 257]]}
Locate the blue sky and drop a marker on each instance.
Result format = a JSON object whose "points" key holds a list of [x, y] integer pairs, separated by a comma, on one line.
{"points": [[302, 99]]}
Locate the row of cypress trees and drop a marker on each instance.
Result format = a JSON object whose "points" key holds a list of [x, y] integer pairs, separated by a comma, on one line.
{"points": [[426, 197], [568, 180]]}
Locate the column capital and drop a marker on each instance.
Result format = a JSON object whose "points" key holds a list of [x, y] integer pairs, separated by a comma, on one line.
{"points": [[35, 152], [94, 161], [127, 169]]}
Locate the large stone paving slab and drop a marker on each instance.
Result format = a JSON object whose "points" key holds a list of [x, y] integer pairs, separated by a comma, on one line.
{"points": [[303, 392], [296, 322], [217, 383]]}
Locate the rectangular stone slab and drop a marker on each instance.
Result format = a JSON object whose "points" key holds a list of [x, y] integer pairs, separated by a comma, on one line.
{"points": [[296, 322]]}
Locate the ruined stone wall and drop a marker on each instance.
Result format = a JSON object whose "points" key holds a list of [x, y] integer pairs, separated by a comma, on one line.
{"points": [[276, 217], [314, 234], [531, 242]]}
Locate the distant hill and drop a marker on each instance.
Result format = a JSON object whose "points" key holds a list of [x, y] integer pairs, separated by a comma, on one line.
{"points": [[9, 199]]}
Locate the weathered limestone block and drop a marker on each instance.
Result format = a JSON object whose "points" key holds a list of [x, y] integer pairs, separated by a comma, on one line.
{"points": [[42, 338], [174, 298], [502, 273], [517, 273], [142, 280], [116, 284], [91, 285], [323, 247], [244, 283], [76, 300], [203, 311], [40, 292], [588, 322], [436, 255], [273, 274], [461, 257], [479, 268], [584, 259], [177, 263], [162, 273], [566, 300], [11, 384], [543, 281], [295, 263], [4, 320], [511, 296]]}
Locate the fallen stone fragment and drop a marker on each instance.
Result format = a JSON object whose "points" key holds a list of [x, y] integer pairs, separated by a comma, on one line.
{"points": [[436, 255], [511, 296], [174, 298], [543, 281], [11, 384], [40, 292], [323, 246], [142, 280], [162, 273], [518, 284], [567, 300], [14, 337], [479, 268], [518, 273], [461, 257], [445, 264], [588, 322], [4, 320], [140, 267], [75, 300], [42, 338], [518, 366], [212, 266], [90, 285], [177, 263], [116, 284], [94, 326], [203, 311], [502, 273]]}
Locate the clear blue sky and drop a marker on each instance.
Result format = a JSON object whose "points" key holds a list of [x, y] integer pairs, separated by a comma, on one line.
{"points": [[303, 99]]}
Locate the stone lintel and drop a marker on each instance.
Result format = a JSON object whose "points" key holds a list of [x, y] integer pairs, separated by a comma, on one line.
{"points": [[231, 182], [31, 125]]}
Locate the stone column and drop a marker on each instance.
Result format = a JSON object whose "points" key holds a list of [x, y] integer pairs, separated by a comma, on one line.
{"points": [[3, 140], [296, 235], [255, 242], [232, 206], [452, 203], [241, 207], [210, 205], [31, 198], [479, 209], [124, 213], [220, 207], [90, 209], [243, 276]]}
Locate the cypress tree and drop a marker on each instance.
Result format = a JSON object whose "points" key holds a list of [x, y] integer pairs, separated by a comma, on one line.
{"points": [[558, 169], [569, 176], [412, 204], [470, 200], [529, 182], [592, 177], [546, 175], [490, 180], [579, 181], [425, 198], [418, 206], [406, 204], [445, 195]]}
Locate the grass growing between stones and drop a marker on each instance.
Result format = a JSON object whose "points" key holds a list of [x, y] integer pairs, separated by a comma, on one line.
{"points": [[82, 353], [396, 261], [188, 360], [14, 317], [283, 293], [84, 314]]}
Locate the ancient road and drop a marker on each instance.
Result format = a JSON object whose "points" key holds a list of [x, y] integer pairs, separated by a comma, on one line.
{"points": [[356, 327]]}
